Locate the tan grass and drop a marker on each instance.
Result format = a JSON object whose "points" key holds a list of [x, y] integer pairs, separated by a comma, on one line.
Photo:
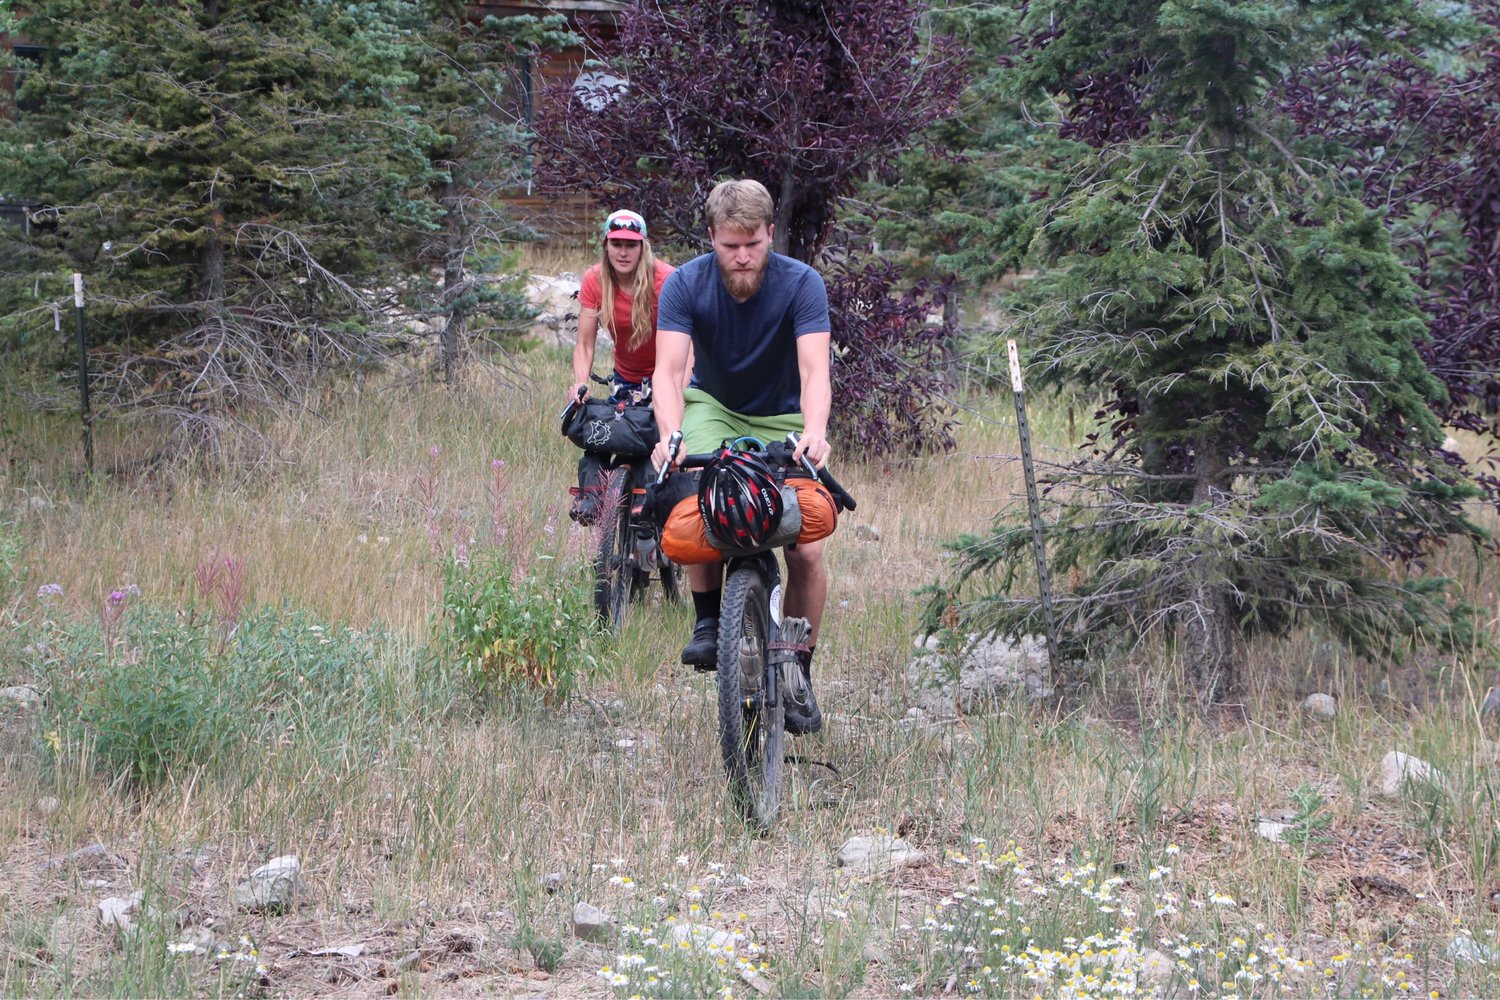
{"points": [[434, 835]]}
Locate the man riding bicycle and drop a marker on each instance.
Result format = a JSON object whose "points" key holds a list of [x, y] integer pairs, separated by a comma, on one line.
{"points": [[756, 325]]}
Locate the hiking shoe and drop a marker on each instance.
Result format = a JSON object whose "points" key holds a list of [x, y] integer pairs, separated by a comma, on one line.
{"points": [[586, 499], [702, 651], [802, 715]]}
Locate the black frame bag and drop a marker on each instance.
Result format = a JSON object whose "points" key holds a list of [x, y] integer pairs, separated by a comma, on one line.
{"points": [[612, 428]]}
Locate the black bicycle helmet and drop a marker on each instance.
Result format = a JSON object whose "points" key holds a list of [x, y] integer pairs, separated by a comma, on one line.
{"points": [[739, 499]]}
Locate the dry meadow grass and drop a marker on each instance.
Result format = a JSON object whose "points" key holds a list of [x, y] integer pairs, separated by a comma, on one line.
{"points": [[426, 833]]}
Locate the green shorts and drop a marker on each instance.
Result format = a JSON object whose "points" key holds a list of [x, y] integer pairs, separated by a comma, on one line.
{"points": [[706, 424]]}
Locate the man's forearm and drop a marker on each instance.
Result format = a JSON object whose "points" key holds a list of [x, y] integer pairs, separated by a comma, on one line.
{"points": [[667, 405], [817, 400]]}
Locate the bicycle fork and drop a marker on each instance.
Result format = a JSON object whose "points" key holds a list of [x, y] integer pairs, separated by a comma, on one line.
{"points": [[757, 656]]}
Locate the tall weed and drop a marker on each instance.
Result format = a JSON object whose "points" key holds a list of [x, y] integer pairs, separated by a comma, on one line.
{"points": [[150, 690], [508, 630]]}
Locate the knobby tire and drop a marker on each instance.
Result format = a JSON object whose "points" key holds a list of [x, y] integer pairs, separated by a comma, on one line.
{"points": [[612, 573], [751, 732]]}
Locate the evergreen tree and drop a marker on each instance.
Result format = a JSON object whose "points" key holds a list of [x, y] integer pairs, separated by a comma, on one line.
{"points": [[1423, 141], [949, 205], [1253, 336], [465, 71], [234, 181]]}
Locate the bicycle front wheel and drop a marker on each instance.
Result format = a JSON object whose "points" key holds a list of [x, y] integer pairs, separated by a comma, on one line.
{"points": [[752, 723], [612, 572]]}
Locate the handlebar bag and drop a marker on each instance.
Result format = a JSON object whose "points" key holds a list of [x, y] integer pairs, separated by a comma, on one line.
{"points": [[819, 512], [622, 429], [686, 542]]}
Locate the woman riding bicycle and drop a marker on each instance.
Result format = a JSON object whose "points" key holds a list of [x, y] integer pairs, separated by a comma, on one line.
{"points": [[629, 278]]}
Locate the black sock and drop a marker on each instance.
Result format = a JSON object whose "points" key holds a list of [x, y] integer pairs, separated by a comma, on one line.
{"points": [[706, 604]]}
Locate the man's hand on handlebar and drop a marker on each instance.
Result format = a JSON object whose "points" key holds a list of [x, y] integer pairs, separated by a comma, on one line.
{"points": [[663, 451], [815, 447], [579, 390]]}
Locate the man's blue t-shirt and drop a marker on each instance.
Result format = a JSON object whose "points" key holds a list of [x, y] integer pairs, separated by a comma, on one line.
{"points": [[745, 353]]}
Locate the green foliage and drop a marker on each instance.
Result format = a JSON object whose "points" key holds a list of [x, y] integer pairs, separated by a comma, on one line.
{"points": [[168, 691], [258, 194], [949, 207], [231, 180], [469, 80], [1309, 825], [1252, 336], [507, 630], [546, 952]]}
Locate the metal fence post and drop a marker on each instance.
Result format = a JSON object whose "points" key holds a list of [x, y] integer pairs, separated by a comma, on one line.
{"points": [[1033, 506], [83, 377]]}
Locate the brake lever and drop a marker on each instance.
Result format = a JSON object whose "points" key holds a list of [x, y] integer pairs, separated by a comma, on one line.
{"points": [[574, 404], [823, 476], [673, 444], [807, 464]]}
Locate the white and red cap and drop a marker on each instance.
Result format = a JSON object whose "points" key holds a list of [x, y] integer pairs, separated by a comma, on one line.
{"points": [[624, 225]]}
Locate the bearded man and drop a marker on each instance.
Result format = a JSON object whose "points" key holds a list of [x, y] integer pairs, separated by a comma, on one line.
{"points": [[757, 326]]}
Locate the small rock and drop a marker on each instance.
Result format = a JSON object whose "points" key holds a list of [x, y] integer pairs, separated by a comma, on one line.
{"points": [[878, 852], [273, 887], [1156, 968], [341, 951], [120, 912], [1397, 768], [867, 533], [1465, 949], [591, 923], [1450, 443], [978, 674], [553, 881], [47, 805], [1320, 704], [704, 936], [409, 961], [196, 941], [91, 858], [873, 953], [23, 696], [757, 982], [1272, 829]]}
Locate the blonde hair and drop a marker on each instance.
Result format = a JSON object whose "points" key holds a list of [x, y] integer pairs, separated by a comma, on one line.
{"points": [[642, 296], [741, 205]]}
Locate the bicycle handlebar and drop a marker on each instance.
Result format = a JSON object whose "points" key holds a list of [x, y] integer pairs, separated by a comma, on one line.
{"points": [[844, 497]]}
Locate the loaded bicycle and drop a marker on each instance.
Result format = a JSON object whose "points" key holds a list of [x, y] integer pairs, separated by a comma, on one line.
{"points": [[621, 431], [756, 664]]}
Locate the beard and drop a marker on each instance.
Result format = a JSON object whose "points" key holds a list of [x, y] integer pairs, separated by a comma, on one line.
{"points": [[743, 284]]}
